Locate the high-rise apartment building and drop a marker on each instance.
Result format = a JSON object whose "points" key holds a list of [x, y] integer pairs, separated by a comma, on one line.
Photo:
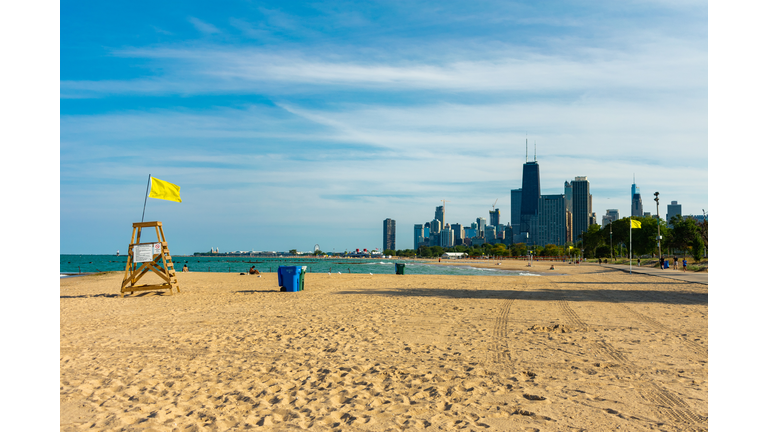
{"points": [[495, 216], [440, 215], [514, 213], [490, 234], [389, 234], [674, 209], [611, 215], [458, 233], [418, 235], [446, 237], [434, 226], [568, 191], [552, 220], [582, 211], [481, 227]]}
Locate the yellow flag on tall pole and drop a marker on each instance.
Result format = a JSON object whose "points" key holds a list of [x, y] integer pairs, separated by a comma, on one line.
{"points": [[635, 223], [163, 190]]}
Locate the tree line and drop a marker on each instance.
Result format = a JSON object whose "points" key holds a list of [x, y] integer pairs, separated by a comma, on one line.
{"points": [[685, 236]]}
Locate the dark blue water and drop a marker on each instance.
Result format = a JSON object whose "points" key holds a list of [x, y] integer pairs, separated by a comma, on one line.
{"points": [[221, 264]]}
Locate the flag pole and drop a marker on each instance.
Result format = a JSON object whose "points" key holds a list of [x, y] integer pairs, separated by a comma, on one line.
{"points": [[630, 245], [149, 179]]}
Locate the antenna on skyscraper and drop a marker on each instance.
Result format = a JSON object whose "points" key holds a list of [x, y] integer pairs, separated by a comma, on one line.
{"points": [[534, 150], [526, 147]]}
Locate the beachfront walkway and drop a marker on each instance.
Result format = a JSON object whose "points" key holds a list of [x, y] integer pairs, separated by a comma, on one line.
{"points": [[688, 276]]}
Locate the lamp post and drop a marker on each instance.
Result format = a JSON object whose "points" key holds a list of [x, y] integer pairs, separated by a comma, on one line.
{"points": [[658, 222], [611, 223]]}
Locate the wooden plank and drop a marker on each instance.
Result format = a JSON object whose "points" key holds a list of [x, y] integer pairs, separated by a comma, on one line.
{"points": [[147, 224], [148, 288], [162, 275]]}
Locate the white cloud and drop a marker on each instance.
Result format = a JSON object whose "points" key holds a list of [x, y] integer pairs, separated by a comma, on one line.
{"points": [[203, 27]]}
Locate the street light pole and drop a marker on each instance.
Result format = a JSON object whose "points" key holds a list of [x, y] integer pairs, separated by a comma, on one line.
{"points": [[611, 223], [658, 222]]}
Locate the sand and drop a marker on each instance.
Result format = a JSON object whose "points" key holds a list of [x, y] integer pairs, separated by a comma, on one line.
{"points": [[589, 349]]}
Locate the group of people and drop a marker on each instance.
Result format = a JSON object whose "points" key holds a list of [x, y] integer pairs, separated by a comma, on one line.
{"points": [[661, 263], [252, 271], [674, 263]]}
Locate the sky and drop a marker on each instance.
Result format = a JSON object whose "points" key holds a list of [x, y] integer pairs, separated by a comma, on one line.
{"points": [[291, 124]]}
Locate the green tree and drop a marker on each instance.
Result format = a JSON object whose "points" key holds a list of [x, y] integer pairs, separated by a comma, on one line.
{"points": [[519, 249], [603, 251], [499, 249], [697, 248], [292, 251], [390, 252], [551, 250], [591, 239], [683, 234], [319, 252]]}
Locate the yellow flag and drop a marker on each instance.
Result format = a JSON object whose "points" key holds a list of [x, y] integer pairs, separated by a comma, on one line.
{"points": [[164, 190], [635, 224]]}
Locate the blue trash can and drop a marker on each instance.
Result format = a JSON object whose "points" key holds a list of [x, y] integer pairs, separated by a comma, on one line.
{"points": [[290, 278], [666, 264]]}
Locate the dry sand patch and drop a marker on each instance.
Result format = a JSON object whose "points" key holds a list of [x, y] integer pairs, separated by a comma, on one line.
{"points": [[590, 349]]}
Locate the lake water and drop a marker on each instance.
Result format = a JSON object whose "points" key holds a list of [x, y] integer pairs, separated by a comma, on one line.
{"points": [[222, 264]]}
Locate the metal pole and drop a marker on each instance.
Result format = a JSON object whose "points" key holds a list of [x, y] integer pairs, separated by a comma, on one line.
{"points": [[149, 179], [658, 224]]}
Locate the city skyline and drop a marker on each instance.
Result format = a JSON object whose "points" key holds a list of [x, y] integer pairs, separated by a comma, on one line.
{"points": [[293, 125]]}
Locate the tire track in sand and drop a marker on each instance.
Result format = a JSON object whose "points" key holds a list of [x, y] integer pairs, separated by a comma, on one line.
{"points": [[669, 405]]}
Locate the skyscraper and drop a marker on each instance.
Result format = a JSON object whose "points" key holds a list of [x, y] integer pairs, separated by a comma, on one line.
{"points": [[389, 234], [581, 206], [481, 226], [495, 216], [637, 202], [458, 233], [552, 220], [529, 201], [440, 215], [611, 215], [514, 213], [418, 235], [674, 209], [446, 237], [568, 189]]}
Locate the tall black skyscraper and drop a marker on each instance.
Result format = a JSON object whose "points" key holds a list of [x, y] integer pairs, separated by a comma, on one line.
{"points": [[582, 206], [529, 201], [389, 234]]}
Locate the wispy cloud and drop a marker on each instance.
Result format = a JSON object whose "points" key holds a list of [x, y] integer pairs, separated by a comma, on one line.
{"points": [[203, 27], [207, 70]]}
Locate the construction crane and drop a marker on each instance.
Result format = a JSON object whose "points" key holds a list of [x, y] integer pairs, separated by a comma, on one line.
{"points": [[494, 204]]}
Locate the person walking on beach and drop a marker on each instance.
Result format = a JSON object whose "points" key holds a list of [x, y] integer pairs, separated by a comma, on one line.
{"points": [[661, 262], [674, 263], [685, 264]]}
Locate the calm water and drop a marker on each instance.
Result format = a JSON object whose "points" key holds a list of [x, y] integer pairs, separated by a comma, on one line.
{"points": [[99, 263]]}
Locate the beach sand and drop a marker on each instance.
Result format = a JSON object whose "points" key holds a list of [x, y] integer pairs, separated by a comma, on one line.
{"points": [[581, 348]]}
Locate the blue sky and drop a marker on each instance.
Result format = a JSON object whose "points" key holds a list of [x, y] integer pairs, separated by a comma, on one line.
{"points": [[290, 124]]}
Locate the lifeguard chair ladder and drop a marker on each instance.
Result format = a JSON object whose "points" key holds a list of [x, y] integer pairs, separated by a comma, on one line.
{"points": [[134, 271]]}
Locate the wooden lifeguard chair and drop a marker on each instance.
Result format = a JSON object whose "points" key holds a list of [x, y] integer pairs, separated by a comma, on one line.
{"points": [[142, 259]]}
